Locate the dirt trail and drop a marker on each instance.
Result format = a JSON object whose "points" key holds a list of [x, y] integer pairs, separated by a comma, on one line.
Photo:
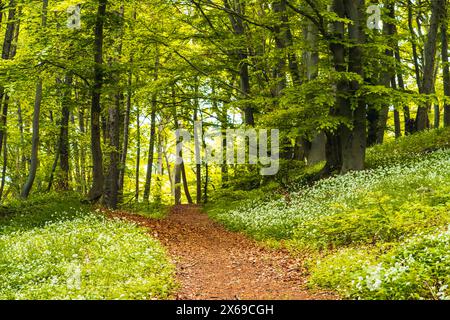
{"points": [[213, 263]]}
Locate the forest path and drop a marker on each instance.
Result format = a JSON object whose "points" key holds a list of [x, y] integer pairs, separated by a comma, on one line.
{"points": [[214, 263]]}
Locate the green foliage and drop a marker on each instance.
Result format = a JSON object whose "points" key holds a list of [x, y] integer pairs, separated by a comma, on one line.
{"points": [[418, 268], [337, 271], [379, 217], [65, 252], [408, 148], [39, 210]]}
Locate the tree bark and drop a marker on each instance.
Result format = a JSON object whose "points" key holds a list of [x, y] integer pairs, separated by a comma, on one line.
{"points": [[112, 181], [35, 142], [414, 45], [138, 155], [4, 166], [7, 53], [337, 48], [397, 124], [239, 30], [96, 191], [63, 179], [151, 148], [198, 164], [185, 184], [445, 67], [36, 117], [401, 86], [428, 81], [126, 129]]}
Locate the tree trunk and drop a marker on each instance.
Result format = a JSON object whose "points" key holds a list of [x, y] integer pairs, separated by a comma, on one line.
{"points": [[314, 150], [401, 86], [53, 170], [205, 185], [185, 184], [82, 151], [151, 148], [353, 140], [437, 6], [138, 154], [198, 156], [96, 191], [179, 153], [63, 178], [160, 169], [239, 30], [126, 129], [177, 184], [112, 181], [397, 124], [337, 48], [36, 115], [414, 45], [445, 68], [7, 53], [35, 142], [151, 152], [4, 167], [76, 158], [353, 157]]}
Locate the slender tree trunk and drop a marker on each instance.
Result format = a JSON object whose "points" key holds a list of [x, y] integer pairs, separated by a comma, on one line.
{"points": [[414, 45], [239, 30], [160, 169], [4, 167], [82, 150], [445, 67], [437, 6], [53, 170], [401, 86], [205, 185], [198, 165], [76, 155], [112, 185], [35, 142], [126, 127], [138, 154], [222, 114], [126, 124], [36, 117], [179, 154], [169, 173], [112, 181], [151, 152], [7, 53], [177, 184], [386, 78], [63, 179], [185, 184], [151, 148], [397, 123], [96, 191]]}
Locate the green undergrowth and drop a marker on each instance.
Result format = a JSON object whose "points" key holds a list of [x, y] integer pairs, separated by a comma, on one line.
{"points": [[52, 247]]}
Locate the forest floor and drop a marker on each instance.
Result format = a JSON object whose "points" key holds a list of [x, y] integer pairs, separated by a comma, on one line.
{"points": [[214, 263]]}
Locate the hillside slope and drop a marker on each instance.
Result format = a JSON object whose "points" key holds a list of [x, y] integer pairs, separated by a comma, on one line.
{"points": [[376, 234]]}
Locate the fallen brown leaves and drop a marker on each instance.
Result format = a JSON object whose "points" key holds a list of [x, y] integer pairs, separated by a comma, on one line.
{"points": [[213, 263]]}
